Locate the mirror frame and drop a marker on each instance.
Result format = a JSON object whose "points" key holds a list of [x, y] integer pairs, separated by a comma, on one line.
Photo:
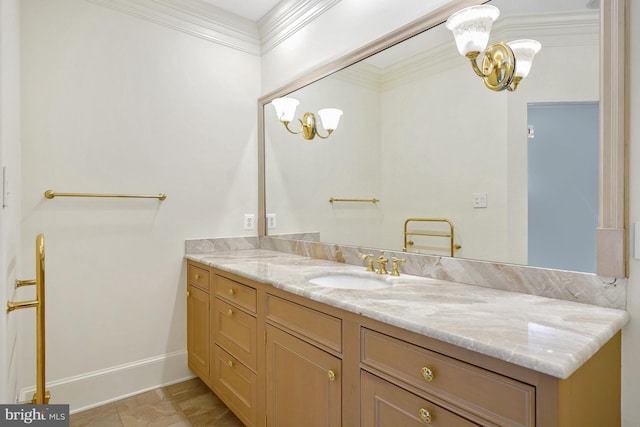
{"points": [[611, 237]]}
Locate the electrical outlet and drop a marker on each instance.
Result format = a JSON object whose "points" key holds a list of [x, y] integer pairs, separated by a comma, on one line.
{"points": [[271, 221], [249, 221], [479, 200]]}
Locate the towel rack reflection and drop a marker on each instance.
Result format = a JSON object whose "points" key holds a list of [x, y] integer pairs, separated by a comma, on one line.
{"points": [[452, 246], [333, 199], [50, 194]]}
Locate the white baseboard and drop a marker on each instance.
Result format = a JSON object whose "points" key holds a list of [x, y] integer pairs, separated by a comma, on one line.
{"points": [[108, 385]]}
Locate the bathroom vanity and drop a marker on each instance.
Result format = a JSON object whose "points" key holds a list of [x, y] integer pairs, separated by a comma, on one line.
{"points": [[282, 351]]}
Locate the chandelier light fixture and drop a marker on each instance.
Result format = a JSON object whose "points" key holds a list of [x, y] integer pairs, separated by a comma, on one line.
{"points": [[503, 65], [286, 109]]}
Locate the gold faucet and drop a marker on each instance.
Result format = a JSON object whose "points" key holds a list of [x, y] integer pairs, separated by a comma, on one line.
{"points": [[382, 264], [369, 258], [394, 265]]}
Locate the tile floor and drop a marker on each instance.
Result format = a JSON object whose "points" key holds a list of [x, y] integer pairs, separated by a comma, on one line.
{"points": [[185, 404]]}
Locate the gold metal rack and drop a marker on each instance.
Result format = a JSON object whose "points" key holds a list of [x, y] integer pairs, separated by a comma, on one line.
{"points": [[50, 194], [333, 199], [41, 396], [453, 247]]}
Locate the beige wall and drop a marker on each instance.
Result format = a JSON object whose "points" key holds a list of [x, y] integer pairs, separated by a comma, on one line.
{"points": [[116, 104], [10, 211]]}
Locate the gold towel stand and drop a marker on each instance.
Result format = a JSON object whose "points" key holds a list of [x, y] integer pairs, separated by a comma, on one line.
{"points": [[453, 247], [41, 396], [50, 194]]}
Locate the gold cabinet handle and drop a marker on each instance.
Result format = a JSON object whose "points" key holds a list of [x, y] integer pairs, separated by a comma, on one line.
{"points": [[229, 312], [332, 375], [188, 293], [425, 416], [197, 276], [230, 363], [231, 291], [427, 374]]}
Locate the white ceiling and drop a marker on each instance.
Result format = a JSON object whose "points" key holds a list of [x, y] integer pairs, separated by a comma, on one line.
{"points": [[250, 9]]}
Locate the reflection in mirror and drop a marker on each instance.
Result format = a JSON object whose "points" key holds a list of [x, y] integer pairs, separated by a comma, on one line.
{"points": [[421, 133]]}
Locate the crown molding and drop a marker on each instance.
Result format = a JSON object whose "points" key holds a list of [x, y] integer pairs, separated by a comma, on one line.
{"points": [[287, 18], [577, 28], [216, 25], [196, 18], [360, 74]]}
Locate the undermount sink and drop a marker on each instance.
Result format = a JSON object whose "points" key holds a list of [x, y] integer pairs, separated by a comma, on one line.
{"points": [[345, 281]]}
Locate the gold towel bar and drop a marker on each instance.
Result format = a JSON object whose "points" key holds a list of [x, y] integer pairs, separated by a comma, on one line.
{"points": [[374, 200], [50, 194]]}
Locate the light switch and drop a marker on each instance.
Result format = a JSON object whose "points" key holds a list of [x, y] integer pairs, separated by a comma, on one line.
{"points": [[479, 200]]}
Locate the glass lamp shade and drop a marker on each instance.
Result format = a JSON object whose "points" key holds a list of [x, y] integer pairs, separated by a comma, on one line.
{"points": [[524, 51], [471, 27], [285, 108], [330, 118]]}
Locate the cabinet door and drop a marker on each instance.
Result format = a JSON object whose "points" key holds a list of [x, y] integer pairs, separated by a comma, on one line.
{"points": [[386, 405], [296, 369], [198, 331]]}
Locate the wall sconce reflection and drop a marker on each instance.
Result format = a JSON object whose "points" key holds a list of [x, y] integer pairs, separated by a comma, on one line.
{"points": [[286, 109], [504, 65]]}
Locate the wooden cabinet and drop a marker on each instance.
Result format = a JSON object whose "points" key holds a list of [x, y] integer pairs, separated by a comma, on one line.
{"points": [[236, 385], [281, 360], [472, 392], [235, 354], [304, 383], [235, 331], [384, 404], [198, 321], [303, 377], [319, 328]]}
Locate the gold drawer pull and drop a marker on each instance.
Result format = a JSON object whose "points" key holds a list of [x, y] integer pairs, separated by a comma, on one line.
{"points": [[425, 416], [427, 374], [197, 276], [332, 375], [229, 312], [231, 291], [188, 293], [230, 363]]}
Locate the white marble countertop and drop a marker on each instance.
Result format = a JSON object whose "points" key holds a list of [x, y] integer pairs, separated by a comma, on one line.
{"points": [[551, 336]]}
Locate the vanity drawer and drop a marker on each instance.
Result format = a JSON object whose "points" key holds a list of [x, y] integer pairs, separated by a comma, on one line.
{"points": [[236, 385], [236, 332], [198, 276], [482, 392], [385, 404], [320, 328], [241, 295]]}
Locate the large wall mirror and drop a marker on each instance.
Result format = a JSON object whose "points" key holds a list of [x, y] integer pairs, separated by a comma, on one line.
{"points": [[532, 177]]}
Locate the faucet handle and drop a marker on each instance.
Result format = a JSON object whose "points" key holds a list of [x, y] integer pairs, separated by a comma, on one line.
{"points": [[382, 263], [369, 259], [394, 265]]}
